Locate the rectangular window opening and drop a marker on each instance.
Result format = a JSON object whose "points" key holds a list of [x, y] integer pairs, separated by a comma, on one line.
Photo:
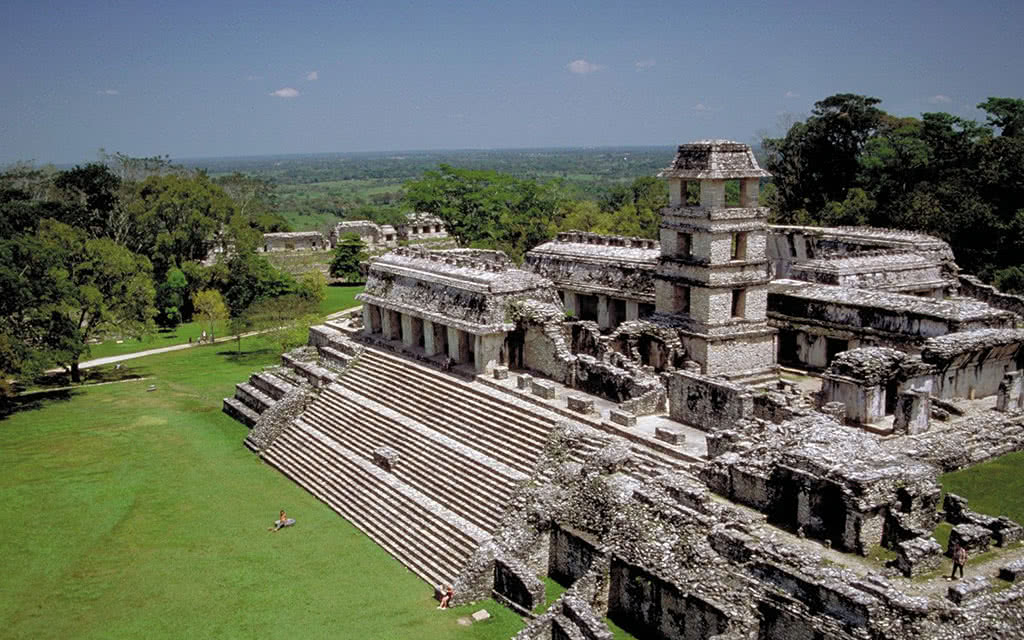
{"points": [[738, 303]]}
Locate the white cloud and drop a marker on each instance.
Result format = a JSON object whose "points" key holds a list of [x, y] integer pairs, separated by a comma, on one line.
{"points": [[108, 92], [582, 66], [792, 94], [939, 99], [313, 75], [642, 65], [700, 106], [286, 92]]}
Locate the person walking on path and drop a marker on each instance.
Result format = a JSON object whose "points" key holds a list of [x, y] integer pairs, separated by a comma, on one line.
{"points": [[959, 560]]}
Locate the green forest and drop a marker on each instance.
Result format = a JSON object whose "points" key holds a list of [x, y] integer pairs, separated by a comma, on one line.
{"points": [[117, 247]]}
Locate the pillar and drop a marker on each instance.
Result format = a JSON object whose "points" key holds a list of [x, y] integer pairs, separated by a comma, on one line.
{"points": [[572, 304], [487, 351], [603, 316], [1010, 396], [429, 345], [371, 319], [913, 409], [632, 310], [458, 345], [407, 331], [390, 324]]}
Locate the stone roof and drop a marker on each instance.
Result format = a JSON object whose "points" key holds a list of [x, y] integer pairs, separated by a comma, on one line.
{"points": [[294, 234], [955, 310], [590, 252], [455, 271], [870, 365], [951, 345], [714, 159], [867, 263], [869, 235]]}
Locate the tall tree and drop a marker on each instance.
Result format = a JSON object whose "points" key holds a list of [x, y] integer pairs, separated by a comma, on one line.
{"points": [[94, 286]]}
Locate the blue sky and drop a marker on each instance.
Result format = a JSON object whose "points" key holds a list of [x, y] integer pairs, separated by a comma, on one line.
{"points": [[212, 78]]}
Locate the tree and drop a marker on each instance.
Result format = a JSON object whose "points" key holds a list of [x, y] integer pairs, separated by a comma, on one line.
{"points": [[1007, 114], [488, 209], [92, 285], [210, 309], [171, 297], [285, 320], [347, 256], [313, 287]]}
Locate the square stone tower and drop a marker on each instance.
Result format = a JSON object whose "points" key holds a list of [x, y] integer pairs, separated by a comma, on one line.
{"points": [[713, 271]]}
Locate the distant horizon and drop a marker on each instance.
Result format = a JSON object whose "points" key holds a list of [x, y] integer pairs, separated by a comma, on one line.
{"points": [[190, 160], [230, 79]]}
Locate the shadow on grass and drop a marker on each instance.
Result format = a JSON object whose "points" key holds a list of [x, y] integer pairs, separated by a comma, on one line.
{"points": [[33, 401], [246, 357]]}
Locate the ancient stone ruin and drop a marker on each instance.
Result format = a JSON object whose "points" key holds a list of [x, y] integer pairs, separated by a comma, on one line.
{"points": [[732, 432]]}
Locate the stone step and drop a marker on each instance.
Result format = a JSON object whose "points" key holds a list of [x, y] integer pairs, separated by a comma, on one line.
{"points": [[434, 470], [273, 385], [395, 388], [428, 538], [237, 410], [374, 526], [524, 411], [483, 433], [253, 398]]}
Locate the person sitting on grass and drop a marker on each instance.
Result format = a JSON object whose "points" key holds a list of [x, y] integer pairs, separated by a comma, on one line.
{"points": [[446, 599], [283, 521]]}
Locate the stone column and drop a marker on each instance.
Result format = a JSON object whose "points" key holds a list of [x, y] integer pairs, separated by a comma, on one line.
{"points": [[913, 409], [385, 323], [572, 304], [407, 331], [1010, 396], [603, 316], [458, 345], [371, 319], [428, 338], [487, 351], [712, 194], [632, 310]]}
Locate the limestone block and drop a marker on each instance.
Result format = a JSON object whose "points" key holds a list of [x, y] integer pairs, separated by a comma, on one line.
{"points": [[1013, 571], [969, 589], [671, 436], [580, 404], [1005, 531], [480, 615], [523, 381], [622, 418], [918, 556], [543, 389], [386, 458], [501, 373], [970, 536]]}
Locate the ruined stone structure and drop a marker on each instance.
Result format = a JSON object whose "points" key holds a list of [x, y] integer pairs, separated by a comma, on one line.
{"points": [[417, 228], [605, 279], [713, 271], [642, 449], [294, 241]]}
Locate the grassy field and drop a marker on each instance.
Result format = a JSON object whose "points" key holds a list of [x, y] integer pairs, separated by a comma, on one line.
{"points": [[134, 514], [338, 297], [995, 488]]}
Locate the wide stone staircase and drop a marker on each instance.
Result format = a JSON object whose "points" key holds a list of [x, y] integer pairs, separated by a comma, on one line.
{"points": [[422, 461]]}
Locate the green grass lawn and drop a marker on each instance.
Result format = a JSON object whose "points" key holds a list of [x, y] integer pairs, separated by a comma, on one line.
{"points": [[339, 297], [995, 488], [135, 514]]}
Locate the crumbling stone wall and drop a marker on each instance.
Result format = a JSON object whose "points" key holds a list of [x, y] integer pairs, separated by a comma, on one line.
{"points": [[707, 403]]}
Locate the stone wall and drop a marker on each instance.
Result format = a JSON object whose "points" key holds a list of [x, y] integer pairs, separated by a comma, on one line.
{"points": [[707, 403], [975, 288]]}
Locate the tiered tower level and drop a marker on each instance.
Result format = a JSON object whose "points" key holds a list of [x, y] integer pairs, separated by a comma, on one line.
{"points": [[713, 273]]}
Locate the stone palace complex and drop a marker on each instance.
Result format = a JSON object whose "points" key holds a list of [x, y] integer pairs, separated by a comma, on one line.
{"points": [[712, 435]]}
